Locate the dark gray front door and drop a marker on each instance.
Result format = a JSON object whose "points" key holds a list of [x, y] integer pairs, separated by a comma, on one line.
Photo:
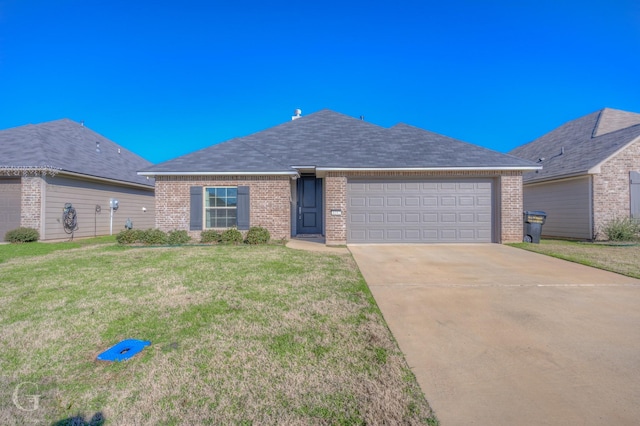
{"points": [[309, 206]]}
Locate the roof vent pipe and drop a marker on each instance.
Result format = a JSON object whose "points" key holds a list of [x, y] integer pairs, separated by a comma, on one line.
{"points": [[297, 114]]}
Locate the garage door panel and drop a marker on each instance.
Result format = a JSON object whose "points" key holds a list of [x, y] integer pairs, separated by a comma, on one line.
{"points": [[412, 187], [429, 201], [435, 210], [394, 218], [412, 201], [394, 201], [376, 201]]}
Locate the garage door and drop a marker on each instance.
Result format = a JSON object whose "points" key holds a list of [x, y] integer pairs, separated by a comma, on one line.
{"points": [[425, 211], [9, 205]]}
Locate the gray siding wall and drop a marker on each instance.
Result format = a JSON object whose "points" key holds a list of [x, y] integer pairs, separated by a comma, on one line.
{"points": [[567, 204], [10, 199], [85, 196]]}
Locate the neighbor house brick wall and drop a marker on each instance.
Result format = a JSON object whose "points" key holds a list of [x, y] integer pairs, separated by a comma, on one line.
{"points": [[611, 198], [269, 197], [510, 200], [31, 202]]}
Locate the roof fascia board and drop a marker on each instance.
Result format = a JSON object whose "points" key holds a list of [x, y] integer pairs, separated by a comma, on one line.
{"points": [[424, 169], [238, 173], [597, 168], [101, 179]]}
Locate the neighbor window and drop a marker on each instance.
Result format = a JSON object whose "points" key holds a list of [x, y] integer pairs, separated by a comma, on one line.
{"points": [[220, 207]]}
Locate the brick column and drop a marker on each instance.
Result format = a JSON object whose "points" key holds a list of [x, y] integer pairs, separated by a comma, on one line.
{"points": [[336, 199], [511, 208], [31, 203]]}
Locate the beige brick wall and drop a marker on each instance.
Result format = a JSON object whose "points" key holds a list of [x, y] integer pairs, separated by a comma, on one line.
{"points": [[335, 198], [31, 202], [611, 198], [269, 208], [511, 205], [510, 199]]}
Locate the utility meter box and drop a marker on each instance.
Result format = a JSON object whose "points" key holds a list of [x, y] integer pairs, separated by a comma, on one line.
{"points": [[113, 203]]}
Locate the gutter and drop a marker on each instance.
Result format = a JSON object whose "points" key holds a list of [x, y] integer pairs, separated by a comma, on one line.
{"points": [[238, 173], [425, 169]]}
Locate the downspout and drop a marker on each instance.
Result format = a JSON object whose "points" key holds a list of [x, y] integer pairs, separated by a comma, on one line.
{"points": [[591, 222]]}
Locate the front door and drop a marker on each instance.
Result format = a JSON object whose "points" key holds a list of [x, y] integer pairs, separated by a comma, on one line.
{"points": [[309, 205]]}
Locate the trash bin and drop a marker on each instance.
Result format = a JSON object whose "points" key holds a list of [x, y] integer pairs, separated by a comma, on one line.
{"points": [[533, 221]]}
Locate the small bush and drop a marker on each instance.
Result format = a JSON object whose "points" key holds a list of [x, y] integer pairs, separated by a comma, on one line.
{"points": [[178, 237], [154, 237], [231, 236], [624, 229], [130, 236], [258, 235], [22, 235], [210, 236]]}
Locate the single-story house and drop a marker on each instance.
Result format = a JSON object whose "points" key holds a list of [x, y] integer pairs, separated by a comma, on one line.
{"points": [[347, 179], [590, 174], [44, 167]]}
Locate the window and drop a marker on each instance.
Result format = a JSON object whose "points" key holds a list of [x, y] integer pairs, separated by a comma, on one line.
{"points": [[220, 207]]}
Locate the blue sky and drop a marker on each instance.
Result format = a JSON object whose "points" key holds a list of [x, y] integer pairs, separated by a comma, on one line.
{"points": [[165, 78]]}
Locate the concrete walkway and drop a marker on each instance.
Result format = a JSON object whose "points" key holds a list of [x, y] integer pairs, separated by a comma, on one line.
{"points": [[315, 244], [501, 336]]}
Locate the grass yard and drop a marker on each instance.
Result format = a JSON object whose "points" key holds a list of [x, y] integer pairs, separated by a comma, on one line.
{"points": [[240, 335], [623, 259]]}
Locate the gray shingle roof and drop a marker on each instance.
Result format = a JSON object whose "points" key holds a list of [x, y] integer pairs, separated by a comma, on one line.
{"points": [[69, 146], [579, 145], [328, 139]]}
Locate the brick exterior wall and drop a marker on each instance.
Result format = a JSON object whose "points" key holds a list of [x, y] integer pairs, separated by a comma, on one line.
{"points": [[31, 202], [510, 199], [511, 206], [611, 198], [335, 198], [269, 197]]}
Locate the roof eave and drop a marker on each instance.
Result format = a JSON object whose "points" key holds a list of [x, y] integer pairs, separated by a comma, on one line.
{"points": [[108, 180], [234, 173], [426, 169]]}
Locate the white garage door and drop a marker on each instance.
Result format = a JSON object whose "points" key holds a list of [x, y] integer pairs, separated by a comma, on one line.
{"points": [[9, 205], [419, 211]]}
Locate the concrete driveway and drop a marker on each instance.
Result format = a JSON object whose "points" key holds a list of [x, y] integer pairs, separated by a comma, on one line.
{"points": [[501, 336]]}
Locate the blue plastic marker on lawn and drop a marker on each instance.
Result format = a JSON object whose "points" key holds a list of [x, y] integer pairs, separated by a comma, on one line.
{"points": [[123, 350]]}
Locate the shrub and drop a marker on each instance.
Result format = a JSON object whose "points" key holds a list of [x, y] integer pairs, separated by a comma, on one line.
{"points": [[210, 236], [624, 229], [178, 237], [130, 236], [258, 235], [22, 235], [231, 236], [154, 236]]}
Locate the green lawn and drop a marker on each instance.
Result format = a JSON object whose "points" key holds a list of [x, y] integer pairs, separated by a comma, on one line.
{"points": [[240, 335], [621, 258], [9, 251]]}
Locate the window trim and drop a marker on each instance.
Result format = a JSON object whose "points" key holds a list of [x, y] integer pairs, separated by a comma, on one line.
{"points": [[205, 194]]}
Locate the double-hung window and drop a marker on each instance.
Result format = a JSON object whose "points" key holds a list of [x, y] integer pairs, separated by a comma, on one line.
{"points": [[221, 207]]}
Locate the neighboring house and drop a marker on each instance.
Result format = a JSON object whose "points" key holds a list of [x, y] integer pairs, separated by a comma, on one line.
{"points": [[45, 166], [590, 175], [346, 179]]}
